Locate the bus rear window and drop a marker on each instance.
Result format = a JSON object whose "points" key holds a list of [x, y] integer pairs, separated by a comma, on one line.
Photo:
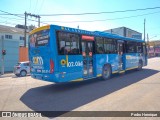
{"points": [[40, 38]]}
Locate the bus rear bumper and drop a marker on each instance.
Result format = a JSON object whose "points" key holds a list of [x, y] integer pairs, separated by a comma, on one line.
{"points": [[46, 77], [57, 77]]}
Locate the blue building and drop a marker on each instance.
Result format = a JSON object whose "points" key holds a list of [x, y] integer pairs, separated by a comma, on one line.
{"points": [[11, 39]]}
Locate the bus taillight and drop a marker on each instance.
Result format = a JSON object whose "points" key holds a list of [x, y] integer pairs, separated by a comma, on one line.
{"points": [[51, 66]]}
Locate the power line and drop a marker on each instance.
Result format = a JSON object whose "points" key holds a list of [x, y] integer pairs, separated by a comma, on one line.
{"points": [[25, 30], [11, 18], [44, 22], [29, 5], [11, 14], [35, 6], [41, 6], [131, 10], [91, 13], [104, 19], [155, 34], [5, 22], [17, 15]]}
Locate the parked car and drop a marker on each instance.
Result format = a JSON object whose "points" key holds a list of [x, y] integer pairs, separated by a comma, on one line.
{"points": [[22, 69]]}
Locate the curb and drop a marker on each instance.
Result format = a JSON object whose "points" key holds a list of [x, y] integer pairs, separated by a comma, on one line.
{"points": [[6, 75]]}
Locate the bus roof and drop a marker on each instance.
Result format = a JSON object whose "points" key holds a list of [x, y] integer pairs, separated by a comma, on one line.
{"points": [[40, 28], [95, 33]]}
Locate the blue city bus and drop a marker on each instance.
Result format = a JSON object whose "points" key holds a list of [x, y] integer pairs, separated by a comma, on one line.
{"points": [[63, 54]]}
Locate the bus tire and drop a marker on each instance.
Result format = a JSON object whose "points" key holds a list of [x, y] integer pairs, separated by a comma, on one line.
{"points": [[106, 72], [140, 65]]}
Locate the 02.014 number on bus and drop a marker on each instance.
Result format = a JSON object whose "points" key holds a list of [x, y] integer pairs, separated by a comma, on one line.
{"points": [[73, 64]]}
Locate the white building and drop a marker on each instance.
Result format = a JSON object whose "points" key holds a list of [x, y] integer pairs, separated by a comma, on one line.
{"points": [[126, 32]]}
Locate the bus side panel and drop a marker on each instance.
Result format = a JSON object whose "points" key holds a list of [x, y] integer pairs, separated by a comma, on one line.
{"points": [[102, 59], [53, 47], [70, 67], [132, 60]]}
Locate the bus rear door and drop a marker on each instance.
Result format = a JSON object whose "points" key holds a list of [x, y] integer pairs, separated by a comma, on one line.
{"points": [[120, 48], [87, 53]]}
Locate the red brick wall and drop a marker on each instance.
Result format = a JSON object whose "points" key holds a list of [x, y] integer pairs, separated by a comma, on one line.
{"points": [[23, 54]]}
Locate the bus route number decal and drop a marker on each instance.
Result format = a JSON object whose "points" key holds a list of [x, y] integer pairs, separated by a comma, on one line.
{"points": [[73, 64]]}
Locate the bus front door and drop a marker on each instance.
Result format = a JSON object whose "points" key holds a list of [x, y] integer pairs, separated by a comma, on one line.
{"points": [[87, 53], [120, 56], [145, 56]]}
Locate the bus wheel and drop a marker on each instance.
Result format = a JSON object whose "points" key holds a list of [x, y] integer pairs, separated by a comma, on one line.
{"points": [[106, 72], [140, 65]]}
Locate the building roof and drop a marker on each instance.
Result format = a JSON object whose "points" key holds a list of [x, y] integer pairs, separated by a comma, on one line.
{"points": [[8, 29], [122, 28]]}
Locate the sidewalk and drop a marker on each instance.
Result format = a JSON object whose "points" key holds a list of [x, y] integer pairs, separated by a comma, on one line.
{"points": [[6, 75]]}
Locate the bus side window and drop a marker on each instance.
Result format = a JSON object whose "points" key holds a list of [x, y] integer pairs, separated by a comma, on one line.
{"points": [[139, 47], [100, 50], [99, 45], [63, 50], [74, 51], [68, 43], [131, 47], [110, 46]]}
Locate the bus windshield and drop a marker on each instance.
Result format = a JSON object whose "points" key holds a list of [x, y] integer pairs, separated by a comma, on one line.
{"points": [[40, 38]]}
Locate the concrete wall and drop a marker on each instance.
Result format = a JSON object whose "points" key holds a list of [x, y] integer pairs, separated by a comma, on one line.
{"points": [[126, 32], [11, 46], [133, 34], [12, 54], [118, 31]]}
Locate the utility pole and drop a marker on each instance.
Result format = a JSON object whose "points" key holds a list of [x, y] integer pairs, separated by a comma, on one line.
{"points": [[148, 44], [144, 29], [147, 40], [125, 32], [31, 15], [38, 20], [2, 67]]}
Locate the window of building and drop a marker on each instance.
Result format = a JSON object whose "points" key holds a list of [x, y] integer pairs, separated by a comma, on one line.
{"points": [[21, 38], [8, 36], [110, 46], [68, 43], [99, 45], [131, 47]]}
